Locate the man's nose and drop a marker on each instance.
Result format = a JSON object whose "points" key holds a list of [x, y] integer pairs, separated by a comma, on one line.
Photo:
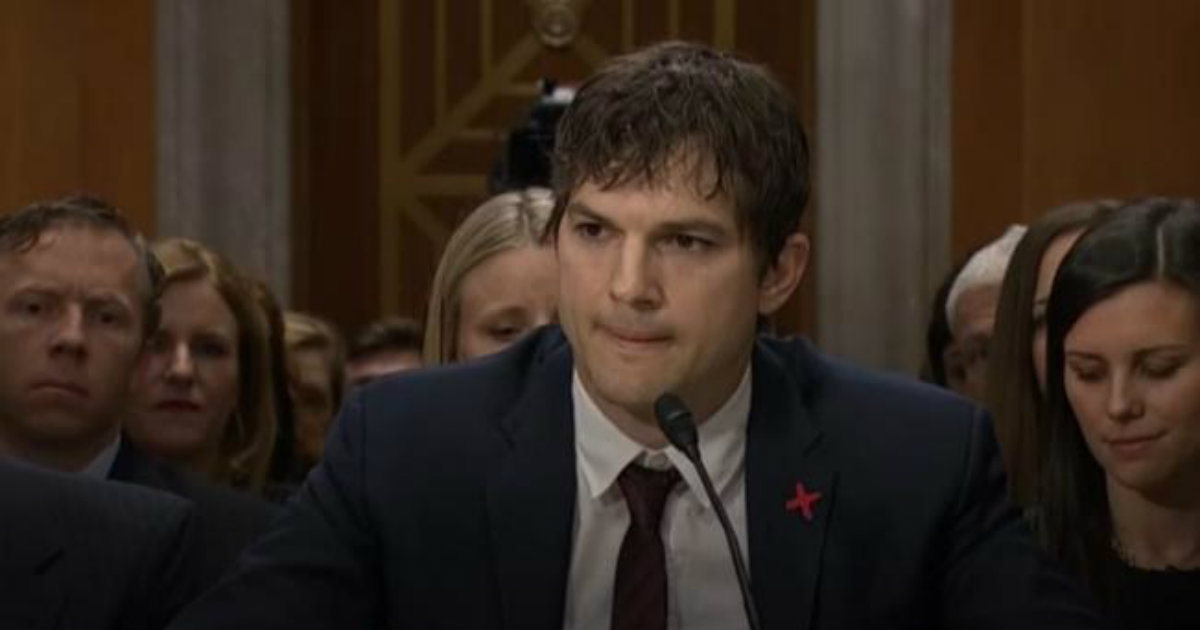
{"points": [[634, 280], [70, 336]]}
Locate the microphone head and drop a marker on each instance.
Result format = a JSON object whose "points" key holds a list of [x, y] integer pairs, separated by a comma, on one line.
{"points": [[675, 420]]}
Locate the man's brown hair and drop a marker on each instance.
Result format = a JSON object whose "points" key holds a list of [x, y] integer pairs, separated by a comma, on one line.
{"points": [[21, 230], [632, 121]]}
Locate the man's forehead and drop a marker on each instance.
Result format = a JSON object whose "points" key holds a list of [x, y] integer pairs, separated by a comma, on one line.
{"points": [[674, 194], [66, 253], [686, 166], [71, 235]]}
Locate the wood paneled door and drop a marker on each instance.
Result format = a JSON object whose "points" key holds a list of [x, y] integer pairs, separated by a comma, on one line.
{"points": [[77, 103], [1074, 99]]}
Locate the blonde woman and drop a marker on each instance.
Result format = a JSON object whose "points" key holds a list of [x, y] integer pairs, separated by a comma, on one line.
{"points": [[202, 395], [497, 279], [316, 370]]}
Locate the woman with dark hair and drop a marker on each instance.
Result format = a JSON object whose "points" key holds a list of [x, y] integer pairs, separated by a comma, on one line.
{"points": [[1119, 499], [1018, 350]]}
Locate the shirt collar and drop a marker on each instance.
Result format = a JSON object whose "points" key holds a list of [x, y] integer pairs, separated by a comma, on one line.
{"points": [[101, 465], [604, 451]]}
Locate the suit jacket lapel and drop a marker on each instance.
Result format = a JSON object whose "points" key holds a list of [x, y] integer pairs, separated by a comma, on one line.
{"points": [[131, 466], [531, 498], [784, 449]]}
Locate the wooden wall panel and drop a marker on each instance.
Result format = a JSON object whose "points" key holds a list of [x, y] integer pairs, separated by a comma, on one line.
{"points": [[77, 111], [987, 120], [1057, 101], [1113, 100], [335, 135]]}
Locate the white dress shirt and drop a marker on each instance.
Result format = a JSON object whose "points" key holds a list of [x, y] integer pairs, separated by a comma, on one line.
{"points": [[702, 588]]}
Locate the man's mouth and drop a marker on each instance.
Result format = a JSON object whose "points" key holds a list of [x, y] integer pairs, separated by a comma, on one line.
{"points": [[61, 387], [636, 338]]}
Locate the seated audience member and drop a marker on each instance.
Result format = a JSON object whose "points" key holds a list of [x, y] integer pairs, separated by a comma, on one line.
{"points": [[316, 373], [971, 311], [496, 279], [383, 347], [939, 366], [1119, 500], [80, 553], [535, 489], [1018, 357], [78, 299], [202, 395]]}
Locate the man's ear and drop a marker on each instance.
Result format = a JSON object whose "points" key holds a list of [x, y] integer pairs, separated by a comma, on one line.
{"points": [[784, 274]]}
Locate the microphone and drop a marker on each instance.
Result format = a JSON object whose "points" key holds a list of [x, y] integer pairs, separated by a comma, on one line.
{"points": [[675, 420]]}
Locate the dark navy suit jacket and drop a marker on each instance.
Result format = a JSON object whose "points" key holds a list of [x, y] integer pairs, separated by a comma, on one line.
{"points": [[81, 553], [447, 498], [225, 521]]}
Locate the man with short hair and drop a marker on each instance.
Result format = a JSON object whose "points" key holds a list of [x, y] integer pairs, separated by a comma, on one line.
{"points": [[971, 313], [78, 299], [534, 488], [385, 346]]}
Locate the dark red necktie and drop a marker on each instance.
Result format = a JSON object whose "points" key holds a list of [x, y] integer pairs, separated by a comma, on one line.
{"points": [[640, 591]]}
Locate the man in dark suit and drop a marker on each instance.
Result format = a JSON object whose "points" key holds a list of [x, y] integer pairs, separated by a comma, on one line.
{"points": [[534, 489], [78, 299], [77, 553]]}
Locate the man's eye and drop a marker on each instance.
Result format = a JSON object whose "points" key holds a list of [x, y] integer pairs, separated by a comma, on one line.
{"points": [[688, 242], [31, 306], [589, 230], [109, 318]]}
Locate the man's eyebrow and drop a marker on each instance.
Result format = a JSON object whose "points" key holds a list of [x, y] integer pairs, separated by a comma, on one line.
{"points": [[710, 228], [583, 210], [108, 297]]}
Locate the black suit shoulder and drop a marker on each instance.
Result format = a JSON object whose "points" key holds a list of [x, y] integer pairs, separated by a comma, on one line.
{"points": [[455, 406], [226, 521], [879, 412], [90, 554]]}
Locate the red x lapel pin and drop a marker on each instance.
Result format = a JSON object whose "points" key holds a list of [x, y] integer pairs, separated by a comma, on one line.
{"points": [[803, 502]]}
